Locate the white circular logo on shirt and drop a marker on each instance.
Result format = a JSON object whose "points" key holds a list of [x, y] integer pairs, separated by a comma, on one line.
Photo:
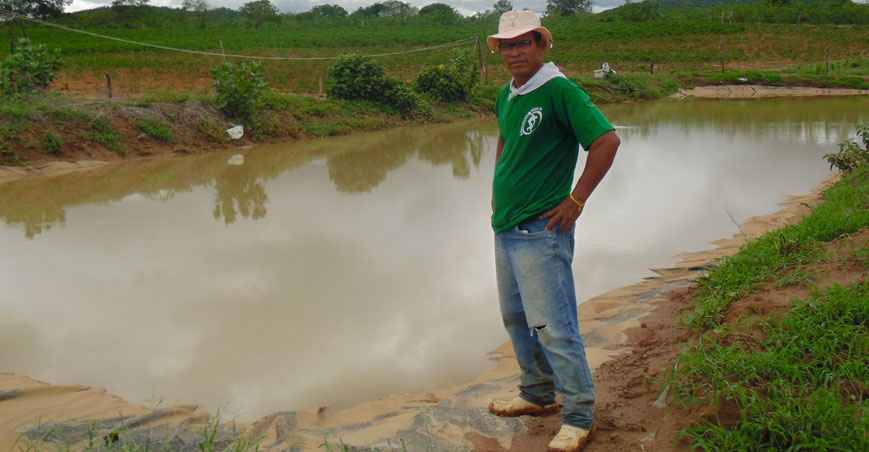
{"points": [[532, 121]]}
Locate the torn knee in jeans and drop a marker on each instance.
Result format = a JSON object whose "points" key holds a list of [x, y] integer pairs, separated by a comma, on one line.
{"points": [[538, 329]]}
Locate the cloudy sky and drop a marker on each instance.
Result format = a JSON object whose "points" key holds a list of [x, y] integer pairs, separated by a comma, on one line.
{"points": [[466, 7]]}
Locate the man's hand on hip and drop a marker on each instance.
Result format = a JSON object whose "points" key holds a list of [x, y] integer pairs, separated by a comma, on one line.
{"points": [[563, 216]]}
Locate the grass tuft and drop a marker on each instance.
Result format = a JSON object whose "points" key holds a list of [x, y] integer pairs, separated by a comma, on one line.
{"points": [[801, 388], [104, 133], [155, 129]]}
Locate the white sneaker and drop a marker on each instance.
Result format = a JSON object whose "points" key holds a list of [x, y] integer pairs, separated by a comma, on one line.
{"points": [[517, 406], [569, 439]]}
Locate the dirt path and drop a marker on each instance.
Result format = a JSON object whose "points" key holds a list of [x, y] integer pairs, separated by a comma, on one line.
{"points": [[632, 334], [763, 92]]}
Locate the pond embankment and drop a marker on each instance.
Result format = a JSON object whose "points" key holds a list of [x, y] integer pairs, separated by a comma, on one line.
{"points": [[56, 135]]}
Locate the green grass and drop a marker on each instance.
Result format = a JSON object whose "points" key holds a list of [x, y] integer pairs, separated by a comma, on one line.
{"points": [[52, 143], [845, 209], [794, 278], [102, 132], [155, 129], [678, 40], [801, 387]]}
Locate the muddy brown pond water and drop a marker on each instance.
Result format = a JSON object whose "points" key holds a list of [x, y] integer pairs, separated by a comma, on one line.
{"points": [[329, 272]]}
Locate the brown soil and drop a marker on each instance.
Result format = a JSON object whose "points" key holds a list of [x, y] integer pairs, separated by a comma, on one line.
{"points": [[629, 385], [129, 83], [764, 92]]}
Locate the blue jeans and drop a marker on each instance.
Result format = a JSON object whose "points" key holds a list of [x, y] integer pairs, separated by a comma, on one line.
{"points": [[538, 306]]}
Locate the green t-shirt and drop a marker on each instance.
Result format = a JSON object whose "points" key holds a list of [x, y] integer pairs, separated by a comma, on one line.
{"points": [[542, 131]]}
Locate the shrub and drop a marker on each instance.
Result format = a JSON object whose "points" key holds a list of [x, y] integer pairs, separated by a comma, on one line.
{"points": [[851, 153], [356, 77], [240, 89], [29, 69], [155, 129], [406, 101], [52, 143], [442, 83], [450, 82]]}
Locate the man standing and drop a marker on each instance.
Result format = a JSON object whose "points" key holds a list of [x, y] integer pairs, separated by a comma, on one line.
{"points": [[543, 119]]}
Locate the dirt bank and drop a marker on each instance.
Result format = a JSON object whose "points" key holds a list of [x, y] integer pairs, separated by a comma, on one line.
{"points": [[51, 134], [763, 92], [631, 334]]}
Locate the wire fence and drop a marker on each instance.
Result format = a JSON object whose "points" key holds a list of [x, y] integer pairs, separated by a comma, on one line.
{"points": [[447, 45]]}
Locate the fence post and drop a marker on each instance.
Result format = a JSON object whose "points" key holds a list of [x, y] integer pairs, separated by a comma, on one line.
{"points": [[482, 62], [109, 85]]}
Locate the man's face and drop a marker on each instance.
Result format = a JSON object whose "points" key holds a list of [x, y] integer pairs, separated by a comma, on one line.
{"points": [[522, 55]]}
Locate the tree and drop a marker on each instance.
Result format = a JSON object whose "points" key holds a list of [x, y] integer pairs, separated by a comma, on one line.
{"points": [[440, 12], [328, 11], [35, 8], [118, 4], [567, 7], [259, 11], [502, 6], [123, 9], [395, 8], [389, 8], [200, 7]]}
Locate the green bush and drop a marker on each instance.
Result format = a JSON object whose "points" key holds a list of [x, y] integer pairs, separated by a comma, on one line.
{"points": [[358, 78], [851, 153], [442, 83], [450, 82], [406, 101], [52, 143], [30, 68], [240, 89], [155, 129]]}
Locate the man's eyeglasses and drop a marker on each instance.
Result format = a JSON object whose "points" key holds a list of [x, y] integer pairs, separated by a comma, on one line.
{"points": [[520, 44]]}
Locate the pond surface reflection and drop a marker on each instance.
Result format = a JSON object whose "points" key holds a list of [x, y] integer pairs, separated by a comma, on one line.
{"points": [[335, 271]]}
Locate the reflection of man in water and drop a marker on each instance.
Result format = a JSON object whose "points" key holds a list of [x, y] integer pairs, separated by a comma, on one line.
{"points": [[543, 119]]}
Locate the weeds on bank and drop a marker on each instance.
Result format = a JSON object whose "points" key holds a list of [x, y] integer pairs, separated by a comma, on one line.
{"points": [[212, 438], [102, 132], [52, 143], [800, 387], [155, 129], [845, 209]]}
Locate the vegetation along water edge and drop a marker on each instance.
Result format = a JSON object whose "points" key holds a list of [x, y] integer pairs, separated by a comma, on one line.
{"points": [[71, 96]]}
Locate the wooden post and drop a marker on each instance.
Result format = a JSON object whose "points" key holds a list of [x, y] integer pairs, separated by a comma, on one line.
{"points": [[320, 81], [222, 51], [651, 67], [481, 60], [827, 59], [109, 85]]}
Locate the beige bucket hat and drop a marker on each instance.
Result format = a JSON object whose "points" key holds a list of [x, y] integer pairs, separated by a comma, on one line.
{"points": [[516, 23]]}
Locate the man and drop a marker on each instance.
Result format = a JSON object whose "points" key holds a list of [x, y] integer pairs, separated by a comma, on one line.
{"points": [[543, 119]]}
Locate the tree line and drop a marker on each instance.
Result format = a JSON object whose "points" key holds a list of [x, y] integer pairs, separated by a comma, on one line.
{"points": [[260, 11]]}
